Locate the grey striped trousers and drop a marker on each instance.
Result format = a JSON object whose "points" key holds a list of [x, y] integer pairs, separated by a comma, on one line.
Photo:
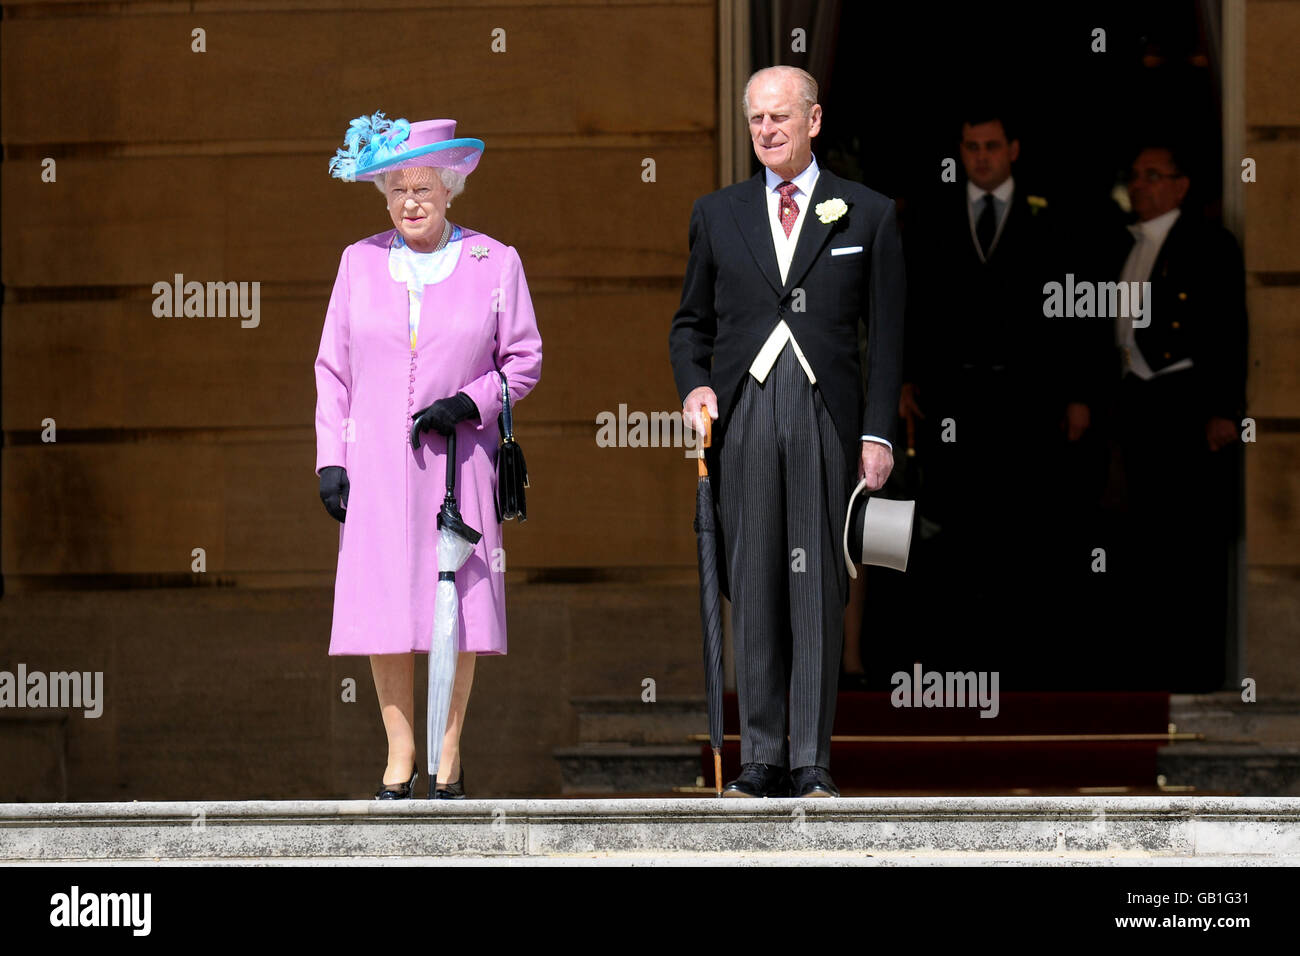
{"points": [[784, 487]]}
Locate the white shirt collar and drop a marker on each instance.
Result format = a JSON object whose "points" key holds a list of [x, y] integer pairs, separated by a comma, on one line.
{"points": [[1155, 229], [804, 182], [1002, 194]]}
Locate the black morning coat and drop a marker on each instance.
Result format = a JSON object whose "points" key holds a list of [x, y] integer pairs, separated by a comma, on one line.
{"points": [[1198, 311], [850, 327]]}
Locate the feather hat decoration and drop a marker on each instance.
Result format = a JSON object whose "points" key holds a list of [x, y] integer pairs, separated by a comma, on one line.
{"points": [[375, 144]]}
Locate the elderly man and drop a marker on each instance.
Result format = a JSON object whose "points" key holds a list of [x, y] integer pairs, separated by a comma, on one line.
{"points": [[789, 334]]}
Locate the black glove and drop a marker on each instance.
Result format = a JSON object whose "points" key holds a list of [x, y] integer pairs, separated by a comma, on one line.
{"points": [[442, 416], [334, 491]]}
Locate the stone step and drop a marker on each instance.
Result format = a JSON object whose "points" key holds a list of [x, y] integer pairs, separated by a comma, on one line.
{"points": [[630, 746], [628, 768], [1240, 767], [668, 720], [1225, 718], [911, 830], [1247, 747]]}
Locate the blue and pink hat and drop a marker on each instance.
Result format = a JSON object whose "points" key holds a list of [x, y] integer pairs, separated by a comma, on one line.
{"points": [[376, 144]]}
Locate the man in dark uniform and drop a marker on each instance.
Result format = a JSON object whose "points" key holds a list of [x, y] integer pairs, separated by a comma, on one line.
{"points": [[1179, 394]]}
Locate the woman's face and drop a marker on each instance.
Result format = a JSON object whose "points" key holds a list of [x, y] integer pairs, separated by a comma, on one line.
{"points": [[417, 203]]}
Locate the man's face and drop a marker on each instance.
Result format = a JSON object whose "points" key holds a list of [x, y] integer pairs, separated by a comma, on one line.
{"points": [[782, 132], [986, 154], [1155, 185], [417, 203]]}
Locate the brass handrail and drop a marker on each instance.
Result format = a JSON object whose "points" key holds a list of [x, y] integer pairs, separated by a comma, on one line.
{"points": [[978, 738]]}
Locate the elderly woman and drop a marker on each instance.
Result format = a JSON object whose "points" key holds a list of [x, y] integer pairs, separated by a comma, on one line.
{"points": [[423, 321]]}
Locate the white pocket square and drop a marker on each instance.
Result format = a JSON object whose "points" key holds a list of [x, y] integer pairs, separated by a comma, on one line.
{"points": [[846, 250]]}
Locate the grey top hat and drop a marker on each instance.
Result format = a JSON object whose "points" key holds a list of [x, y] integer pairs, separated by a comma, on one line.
{"points": [[877, 531]]}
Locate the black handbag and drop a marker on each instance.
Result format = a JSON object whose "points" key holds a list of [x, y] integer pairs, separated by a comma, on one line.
{"points": [[512, 473]]}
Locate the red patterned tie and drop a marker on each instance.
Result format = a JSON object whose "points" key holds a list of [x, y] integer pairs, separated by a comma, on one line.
{"points": [[788, 211]]}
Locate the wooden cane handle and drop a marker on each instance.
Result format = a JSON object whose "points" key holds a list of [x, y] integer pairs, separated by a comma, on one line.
{"points": [[708, 440]]}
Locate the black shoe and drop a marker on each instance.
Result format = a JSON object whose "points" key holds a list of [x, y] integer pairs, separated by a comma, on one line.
{"points": [[759, 780], [451, 791], [397, 791], [813, 782]]}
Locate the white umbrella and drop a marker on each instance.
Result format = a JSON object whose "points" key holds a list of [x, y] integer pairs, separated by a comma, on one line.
{"points": [[456, 542]]}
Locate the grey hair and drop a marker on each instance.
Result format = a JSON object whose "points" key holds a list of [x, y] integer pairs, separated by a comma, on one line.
{"points": [[807, 86], [453, 180]]}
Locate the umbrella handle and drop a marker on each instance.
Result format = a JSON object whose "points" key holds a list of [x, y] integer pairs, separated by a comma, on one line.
{"points": [[706, 442], [451, 463]]}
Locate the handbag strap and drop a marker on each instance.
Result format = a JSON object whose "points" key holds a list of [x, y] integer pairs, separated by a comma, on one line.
{"points": [[507, 419]]}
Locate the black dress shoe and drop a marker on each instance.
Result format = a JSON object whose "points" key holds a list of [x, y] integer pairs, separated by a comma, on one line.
{"points": [[397, 791], [813, 782], [759, 780], [451, 791]]}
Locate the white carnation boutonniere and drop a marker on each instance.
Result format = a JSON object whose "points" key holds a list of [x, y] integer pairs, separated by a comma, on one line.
{"points": [[1036, 204], [830, 210]]}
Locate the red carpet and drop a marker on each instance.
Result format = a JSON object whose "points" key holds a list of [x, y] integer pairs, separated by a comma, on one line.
{"points": [[986, 764]]}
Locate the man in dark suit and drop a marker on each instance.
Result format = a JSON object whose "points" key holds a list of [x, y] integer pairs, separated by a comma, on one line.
{"points": [[987, 391], [789, 334], [983, 251], [1178, 394]]}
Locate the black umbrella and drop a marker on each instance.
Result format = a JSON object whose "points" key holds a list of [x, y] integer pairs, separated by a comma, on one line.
{"points": [[710, 602]]}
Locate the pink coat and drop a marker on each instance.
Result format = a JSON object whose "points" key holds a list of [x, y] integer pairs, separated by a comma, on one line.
{"points": [[369, 383]]}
